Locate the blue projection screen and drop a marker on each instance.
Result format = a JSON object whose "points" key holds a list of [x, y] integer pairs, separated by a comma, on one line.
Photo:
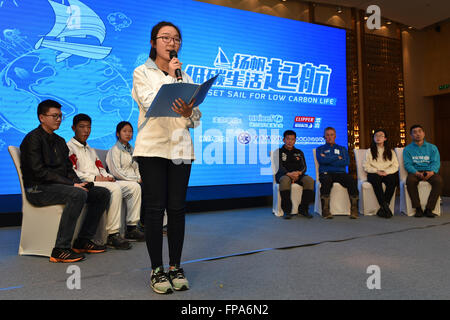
{"points": [[276, 74]]}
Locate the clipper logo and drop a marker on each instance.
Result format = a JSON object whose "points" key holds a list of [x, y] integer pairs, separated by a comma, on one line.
{"points": [[267, 74], [307, 122]]}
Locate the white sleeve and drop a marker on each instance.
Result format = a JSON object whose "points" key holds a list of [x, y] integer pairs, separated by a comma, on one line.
{"points": [[113, 159], [393, 168], [99, 164], [367, 165], [194, 120], [144, 89], [84, 176]]}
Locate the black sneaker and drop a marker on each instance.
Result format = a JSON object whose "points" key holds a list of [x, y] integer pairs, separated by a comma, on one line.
{"points": [[381, 213], [133, 234], [117, 242], [304, 212], [287, 216], [65, 255], [419, 213], [429, 213], [87, 246]]}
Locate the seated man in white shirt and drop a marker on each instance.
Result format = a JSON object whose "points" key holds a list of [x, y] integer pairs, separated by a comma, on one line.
{"points": [[90, 169]]}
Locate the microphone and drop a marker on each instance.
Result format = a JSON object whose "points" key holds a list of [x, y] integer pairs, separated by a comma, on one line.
{"points": [[173, 54]]}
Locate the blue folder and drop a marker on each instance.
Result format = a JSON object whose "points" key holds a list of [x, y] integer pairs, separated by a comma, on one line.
{"points": [[162, 104]]}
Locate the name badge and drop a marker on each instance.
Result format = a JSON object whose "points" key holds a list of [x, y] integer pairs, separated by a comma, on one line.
{"points": [[336, 151]]}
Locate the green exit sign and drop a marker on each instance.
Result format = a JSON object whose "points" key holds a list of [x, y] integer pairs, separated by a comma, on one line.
{"points": [[444, 86]]}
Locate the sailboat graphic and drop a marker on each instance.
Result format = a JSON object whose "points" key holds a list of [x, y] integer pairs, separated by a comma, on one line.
{"points": [[89, 24], [222, 60]]}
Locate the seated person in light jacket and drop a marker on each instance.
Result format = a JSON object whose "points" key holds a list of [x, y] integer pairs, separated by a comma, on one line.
{"points": [[120, 159], [333, 160], [381, 166], [292, 169], [422, 161]]}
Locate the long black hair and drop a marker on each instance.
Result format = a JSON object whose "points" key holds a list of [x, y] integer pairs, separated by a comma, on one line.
{"points": [[120, 126], [387, 154], [155, 31]]}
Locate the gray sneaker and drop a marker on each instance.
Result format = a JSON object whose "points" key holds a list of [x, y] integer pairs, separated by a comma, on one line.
{"points": [[160, 282], [178, 280]]}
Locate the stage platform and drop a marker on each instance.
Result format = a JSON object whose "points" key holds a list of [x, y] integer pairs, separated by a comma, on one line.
{"points": [[249, 254]]}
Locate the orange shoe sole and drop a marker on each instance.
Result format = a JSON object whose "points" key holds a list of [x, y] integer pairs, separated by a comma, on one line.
{"points": [[55, 260], [88, 251]]}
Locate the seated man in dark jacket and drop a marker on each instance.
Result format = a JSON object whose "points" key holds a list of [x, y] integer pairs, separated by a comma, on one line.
{"points": [[292, 169], [49, 179]]}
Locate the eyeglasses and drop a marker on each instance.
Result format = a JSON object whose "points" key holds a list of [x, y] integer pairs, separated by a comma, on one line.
{"points": [[166, 39], [55, 116]]}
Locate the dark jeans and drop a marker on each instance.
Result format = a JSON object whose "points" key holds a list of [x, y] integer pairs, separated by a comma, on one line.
{"points": [[343, 178], [437, 184], [164, 187], [97, 200], [391, 182]]}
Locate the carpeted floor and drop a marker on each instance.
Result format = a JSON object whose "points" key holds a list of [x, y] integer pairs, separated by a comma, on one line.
{"points": [[250, 254]]}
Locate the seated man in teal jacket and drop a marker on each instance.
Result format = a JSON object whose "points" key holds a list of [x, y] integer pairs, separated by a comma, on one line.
{"points": [[422, 161], [333, 160]]}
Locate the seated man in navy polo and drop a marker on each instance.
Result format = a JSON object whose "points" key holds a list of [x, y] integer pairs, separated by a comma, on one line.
{"points": [[333, 160], [292, 169]]}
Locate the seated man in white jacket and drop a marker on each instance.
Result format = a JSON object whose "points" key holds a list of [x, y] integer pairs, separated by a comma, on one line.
{"points": [[89, 168]]}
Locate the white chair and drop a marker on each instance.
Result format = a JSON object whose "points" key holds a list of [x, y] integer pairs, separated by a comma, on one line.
{"points": [[296, 190], [39, 224], [424, 189], [339, 198], [368, 203]]}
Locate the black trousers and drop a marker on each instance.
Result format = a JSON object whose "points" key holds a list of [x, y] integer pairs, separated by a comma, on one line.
{"points": [[164, 188], [391, 182], [97, 200], [343, 178]]}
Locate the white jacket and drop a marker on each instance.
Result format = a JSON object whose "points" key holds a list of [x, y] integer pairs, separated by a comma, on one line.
{"points": [[165, 137], [372, 166], [121, 164], [85, 161]]}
